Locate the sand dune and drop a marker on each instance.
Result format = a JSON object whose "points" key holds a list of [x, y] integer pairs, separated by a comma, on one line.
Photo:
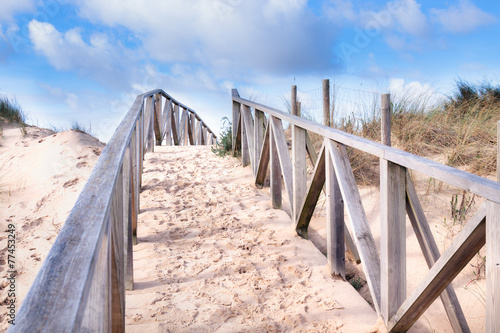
{"points": [[41, 175]]}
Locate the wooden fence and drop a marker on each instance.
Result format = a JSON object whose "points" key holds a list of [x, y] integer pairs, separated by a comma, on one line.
{"points": [[263, 145], [81, 285]]}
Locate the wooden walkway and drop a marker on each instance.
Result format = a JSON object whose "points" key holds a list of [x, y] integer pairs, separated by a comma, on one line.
{"points": [[213, 256]]}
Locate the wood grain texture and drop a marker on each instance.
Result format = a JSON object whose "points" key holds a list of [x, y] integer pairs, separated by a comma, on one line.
{"points": [[463, 248], [326, 102], [312, 195], [311, 152], [492, 267], [158, 128], [385, 122], [284, 157], [275, 171], [335, 245], [245, 146], [191, 126], [249, 140], [175, 124], [392, 237], [259, 131], [299, 169], [463, 180], [358, 220], [262, 167], [293, 101], [431, 254]]}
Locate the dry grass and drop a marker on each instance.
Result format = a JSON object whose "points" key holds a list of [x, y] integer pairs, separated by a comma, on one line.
{"points": [[461, 129]]}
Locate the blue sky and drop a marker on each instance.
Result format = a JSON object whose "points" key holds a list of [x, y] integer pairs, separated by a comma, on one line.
{"points": [[86, 60]]}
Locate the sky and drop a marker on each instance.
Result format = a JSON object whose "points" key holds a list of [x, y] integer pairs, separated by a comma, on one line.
{"points": [[85, 61]]}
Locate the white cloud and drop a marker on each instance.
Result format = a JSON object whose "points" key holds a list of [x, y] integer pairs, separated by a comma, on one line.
{"points": [[8, 8], [68, 51], [410, 17], [464, 17], [415, 91], [278, 36]]}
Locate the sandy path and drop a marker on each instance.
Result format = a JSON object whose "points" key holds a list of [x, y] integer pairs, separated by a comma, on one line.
{"points": [[214, 256]]}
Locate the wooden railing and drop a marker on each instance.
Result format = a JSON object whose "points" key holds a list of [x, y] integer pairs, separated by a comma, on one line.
{"points": [[81, 285], [263, 145]]}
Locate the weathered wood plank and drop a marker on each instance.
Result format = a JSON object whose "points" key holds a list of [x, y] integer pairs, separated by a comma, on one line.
{"points": [[299, 169], [311, 152], [204, 135], [312, 196], [284, 157], [191, 127], [492, 267], [245, 150], [259, 131], [260, 176], [431, 254], [157, 119], [357, 216], [276, 192], [175, 124], [117, 272], [385, 123], [127, 216], [149, 119], [236, 121], [167, 122], [463, 248], [95, 315], [466, 181], [334, 220], [392, 237]]}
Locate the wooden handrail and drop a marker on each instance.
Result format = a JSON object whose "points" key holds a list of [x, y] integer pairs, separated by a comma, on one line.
{"points": [[458, 178], [81, 284], [263, 145]]}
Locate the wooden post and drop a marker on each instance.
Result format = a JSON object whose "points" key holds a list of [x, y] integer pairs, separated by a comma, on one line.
{"points": [[326, 102], [498, 151], [293, 102], [245, 147], [392, 237], [259, 131], [334, 220], [150, 124], [332, 101], [299, 169], [492, 267], [385, 126], [392, 223], [157, 119], [275, 170]]}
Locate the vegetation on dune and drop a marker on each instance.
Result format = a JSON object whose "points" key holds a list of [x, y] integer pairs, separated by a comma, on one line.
{"points": [[225, 142], [462, 129], [11, 111]]}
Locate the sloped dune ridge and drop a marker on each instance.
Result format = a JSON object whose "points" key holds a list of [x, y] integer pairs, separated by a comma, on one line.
{"points": [[41, 175], [214, 256]]}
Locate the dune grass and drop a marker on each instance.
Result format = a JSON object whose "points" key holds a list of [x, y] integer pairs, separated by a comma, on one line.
{"points": [[11, 111], [461, 129]]}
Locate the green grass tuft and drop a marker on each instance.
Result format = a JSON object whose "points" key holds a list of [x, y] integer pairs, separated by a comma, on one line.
{"points": [[225, 143]]}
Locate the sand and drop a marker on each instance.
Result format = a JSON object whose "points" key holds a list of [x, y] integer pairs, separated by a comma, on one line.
{"points": [[212, 255], [41, 175]]}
